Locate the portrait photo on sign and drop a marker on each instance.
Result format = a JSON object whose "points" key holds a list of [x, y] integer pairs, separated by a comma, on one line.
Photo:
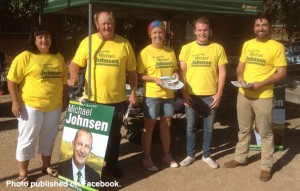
{"points": [[81, 156]]}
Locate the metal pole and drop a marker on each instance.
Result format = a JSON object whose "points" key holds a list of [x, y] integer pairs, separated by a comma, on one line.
{"points": [[90, 51]]}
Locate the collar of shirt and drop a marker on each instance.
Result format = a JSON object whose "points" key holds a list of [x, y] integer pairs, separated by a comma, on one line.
{"points": [[75, 171]]}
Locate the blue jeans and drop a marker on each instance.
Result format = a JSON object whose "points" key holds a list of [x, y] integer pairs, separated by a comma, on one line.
{"points": [[200, 105], [158, 107]]}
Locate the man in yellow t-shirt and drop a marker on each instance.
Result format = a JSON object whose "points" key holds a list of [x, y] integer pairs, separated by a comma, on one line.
{"points": [[203, 69], [112, 58], [262, 63]]}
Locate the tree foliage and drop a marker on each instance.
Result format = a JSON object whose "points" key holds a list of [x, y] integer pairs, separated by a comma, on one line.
{"points": [[20, 9], [284, 12]]}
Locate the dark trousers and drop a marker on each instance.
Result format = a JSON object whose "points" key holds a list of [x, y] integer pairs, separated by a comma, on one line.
{"points": [[113, 145]]}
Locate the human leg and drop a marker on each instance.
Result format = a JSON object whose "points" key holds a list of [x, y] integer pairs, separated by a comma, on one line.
{"points": [[46, 139], [113, 144], [151, 108], [23, 178], [263, 109], [23, 166], [29, 126], [190, 115], [166, 114], [208, 123], [146, 144], [147, 136], [245, 117], [165, 136]]}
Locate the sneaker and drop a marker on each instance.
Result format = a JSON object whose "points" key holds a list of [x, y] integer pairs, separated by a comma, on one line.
{"points": [[265, 175], [169, 161], [211, 163], [149, 165], [187, 161], [232, 164]]}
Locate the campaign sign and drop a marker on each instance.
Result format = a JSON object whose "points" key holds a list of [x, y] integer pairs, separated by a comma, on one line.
{"points": [[83, 146], [278, 122], [292, 51]]}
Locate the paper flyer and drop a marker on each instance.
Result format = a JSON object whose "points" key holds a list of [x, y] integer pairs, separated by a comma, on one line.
{"points": [[171, 82]]}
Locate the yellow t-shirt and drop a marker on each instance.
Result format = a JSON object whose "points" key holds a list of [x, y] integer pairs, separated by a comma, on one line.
{"points": [[156, 62], [261, 60], [110, 60], [40, 78], [202, 63]]}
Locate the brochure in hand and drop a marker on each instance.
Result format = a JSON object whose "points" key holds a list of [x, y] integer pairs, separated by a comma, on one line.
{"points": [[171, 82], [241, 84]]}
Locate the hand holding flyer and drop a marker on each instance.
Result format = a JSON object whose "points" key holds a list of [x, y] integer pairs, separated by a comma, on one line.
{"points": [[241, 84], [171, 82]]}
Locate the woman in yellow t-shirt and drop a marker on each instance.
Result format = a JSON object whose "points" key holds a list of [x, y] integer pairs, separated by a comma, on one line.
{"points": [[37, 84], [154, 61]]}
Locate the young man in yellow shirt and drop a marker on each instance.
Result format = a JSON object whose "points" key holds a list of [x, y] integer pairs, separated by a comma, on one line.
{"points": [[203, 70]]}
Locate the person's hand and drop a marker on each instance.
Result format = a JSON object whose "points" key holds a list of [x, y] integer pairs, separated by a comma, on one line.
{"points": [[157, 81], [16, 109], [188, 101], [216, 101], [133, 98], [72, 82], [241, 81], [176, 75], [256, 86]]}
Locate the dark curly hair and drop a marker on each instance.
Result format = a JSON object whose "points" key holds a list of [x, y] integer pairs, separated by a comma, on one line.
{"points": [[40, 30]]}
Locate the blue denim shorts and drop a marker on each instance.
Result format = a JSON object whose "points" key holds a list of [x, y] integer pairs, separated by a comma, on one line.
{"points": [[158, 107]]}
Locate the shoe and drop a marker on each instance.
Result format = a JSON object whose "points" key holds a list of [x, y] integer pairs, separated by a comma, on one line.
{"points": [[169, 161], [115, 171], [211, 163], [265, 175], [50, 171], [24, 181], [232, 164], [187, 161], [149, 165]]}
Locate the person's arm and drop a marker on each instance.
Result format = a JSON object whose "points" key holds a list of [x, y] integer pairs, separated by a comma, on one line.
{"points": [[221, 82], [65, 97], [16, 100], [73, 71], [147, 78], [132, 80], [182, 75], [279, 75], [175, 74], [240, 72]]}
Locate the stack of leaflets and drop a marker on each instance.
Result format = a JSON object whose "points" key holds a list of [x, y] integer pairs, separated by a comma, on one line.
{"points": [[242, 84], [171, 82]]}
